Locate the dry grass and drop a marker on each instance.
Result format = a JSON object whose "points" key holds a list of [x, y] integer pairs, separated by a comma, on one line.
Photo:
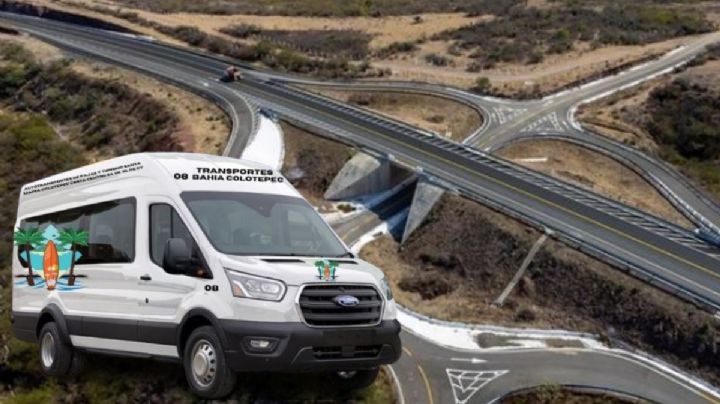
{"points": [[620, 115], [76, 7], [203, 126], [624, 117], [464, 303], [468, 253], [508, 79], [41, 50], [471, 299], [595, 172], [553, 72], [315, 160], [440, 115], [385, 30]]}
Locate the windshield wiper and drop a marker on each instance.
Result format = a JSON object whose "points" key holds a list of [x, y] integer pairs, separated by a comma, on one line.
{"points": [[347, 254]]}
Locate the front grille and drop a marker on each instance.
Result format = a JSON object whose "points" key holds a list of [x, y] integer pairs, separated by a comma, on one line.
{"points": [[319, 309], [346, 352]]}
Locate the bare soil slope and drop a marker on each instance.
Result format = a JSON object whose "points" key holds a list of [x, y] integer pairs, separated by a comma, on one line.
{"points": [[428, 55], [673, 118], [596, 172], [436, 114], [458, 262], [311, 162]]}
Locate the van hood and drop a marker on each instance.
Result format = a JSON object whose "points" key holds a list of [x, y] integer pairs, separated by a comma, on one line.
{"points": [[296, 271]]}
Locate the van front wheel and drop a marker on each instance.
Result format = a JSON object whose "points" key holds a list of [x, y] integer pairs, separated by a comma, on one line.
{"points": [[55, 355], [206, 369]]}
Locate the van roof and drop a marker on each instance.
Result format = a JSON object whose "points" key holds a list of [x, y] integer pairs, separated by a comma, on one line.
{"points": [[149, 174]]}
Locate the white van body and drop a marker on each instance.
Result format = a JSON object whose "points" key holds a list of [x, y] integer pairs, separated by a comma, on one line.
{"points": [[261, 304]]}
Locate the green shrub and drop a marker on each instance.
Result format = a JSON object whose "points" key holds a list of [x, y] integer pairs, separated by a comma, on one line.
{"points": [[437, 60], [326, 8], [525, 33], [482, 85], [241, 30]]}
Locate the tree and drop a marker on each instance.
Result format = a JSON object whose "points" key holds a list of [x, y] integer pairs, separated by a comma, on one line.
{"points": [[75, 238], [27, 238]]}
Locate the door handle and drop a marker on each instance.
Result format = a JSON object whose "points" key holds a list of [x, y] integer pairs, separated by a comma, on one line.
{"points": [[145, 277]]}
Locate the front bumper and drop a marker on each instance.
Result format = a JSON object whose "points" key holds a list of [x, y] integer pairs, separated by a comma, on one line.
{"points": [[298, 347]]}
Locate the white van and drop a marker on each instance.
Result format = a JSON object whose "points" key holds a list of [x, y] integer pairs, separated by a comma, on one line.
{"points": [[212, 261]]}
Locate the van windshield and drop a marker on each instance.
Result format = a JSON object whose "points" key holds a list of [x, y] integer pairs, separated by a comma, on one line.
{"points": [[240, 223]]}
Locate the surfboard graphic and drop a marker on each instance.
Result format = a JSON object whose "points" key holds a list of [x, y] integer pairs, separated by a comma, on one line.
{"points": [[51, 264]]}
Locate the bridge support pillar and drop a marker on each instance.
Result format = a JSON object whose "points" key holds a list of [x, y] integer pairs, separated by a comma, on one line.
{"points": [[362, 175], [426, 196]]}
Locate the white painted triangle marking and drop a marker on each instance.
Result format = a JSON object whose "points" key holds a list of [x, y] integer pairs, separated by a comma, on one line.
{"points": [[465, 383]]}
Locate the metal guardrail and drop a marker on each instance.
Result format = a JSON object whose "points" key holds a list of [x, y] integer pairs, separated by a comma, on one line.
{"points": [[688, 210], [239, 130], [606, 205], [408, 87], [699, 193], [334, 132], [450, 92], [653, 224]]}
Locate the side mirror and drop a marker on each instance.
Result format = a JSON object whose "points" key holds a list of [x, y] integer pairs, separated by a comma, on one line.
{"points": [[176, 257]]}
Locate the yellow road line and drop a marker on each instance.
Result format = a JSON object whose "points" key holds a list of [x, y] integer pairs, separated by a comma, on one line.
{"points": [[516, 189], [407, 352], [427, 384]]}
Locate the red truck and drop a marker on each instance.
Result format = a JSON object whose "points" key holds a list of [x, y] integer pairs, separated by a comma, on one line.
{"points": [[232, 73]]}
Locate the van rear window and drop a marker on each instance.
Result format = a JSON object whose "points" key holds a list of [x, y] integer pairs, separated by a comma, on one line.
{"points": [[101, 233]]}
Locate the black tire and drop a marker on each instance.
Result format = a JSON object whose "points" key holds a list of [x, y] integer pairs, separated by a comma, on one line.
{"points": [[214, 384], [355, 379], [55, 355], [77, 364]]}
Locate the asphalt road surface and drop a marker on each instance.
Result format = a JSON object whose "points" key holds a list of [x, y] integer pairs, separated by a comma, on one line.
{"points": [[684, 269], [434, 374], [507, 121], [677, 264]]}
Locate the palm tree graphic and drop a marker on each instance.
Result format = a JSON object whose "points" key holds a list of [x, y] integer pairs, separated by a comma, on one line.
{"points": [[27, 238], [326, 269], [75, 238]]}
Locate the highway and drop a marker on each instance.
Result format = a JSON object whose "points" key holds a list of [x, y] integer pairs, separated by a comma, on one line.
{"points": [[555, 114], [508, 121], [597, 226], [581, 220], [423, 371]]}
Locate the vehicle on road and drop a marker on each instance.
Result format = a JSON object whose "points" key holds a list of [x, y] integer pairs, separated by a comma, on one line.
{"points": [[210, 261], [708, 236], [232, 73]]}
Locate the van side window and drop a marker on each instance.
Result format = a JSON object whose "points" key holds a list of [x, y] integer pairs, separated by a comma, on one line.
{"points": [[165, 223], [109, 227]]}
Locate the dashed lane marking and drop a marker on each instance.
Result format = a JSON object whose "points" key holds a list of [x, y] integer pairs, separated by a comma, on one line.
{"points": [[427, 384]]}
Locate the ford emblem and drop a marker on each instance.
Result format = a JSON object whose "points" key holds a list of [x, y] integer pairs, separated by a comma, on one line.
{"points": [[346, 301]]}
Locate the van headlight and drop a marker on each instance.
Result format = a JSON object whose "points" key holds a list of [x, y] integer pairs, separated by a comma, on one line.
{"points": [[386, 289], [255, 287]]}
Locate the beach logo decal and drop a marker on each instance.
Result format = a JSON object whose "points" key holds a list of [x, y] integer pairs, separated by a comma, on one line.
{"points": [[50, 256], [326, 269]]}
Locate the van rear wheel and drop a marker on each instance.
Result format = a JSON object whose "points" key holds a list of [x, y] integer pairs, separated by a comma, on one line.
{"points": [[55, 355], [206, 368]]}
